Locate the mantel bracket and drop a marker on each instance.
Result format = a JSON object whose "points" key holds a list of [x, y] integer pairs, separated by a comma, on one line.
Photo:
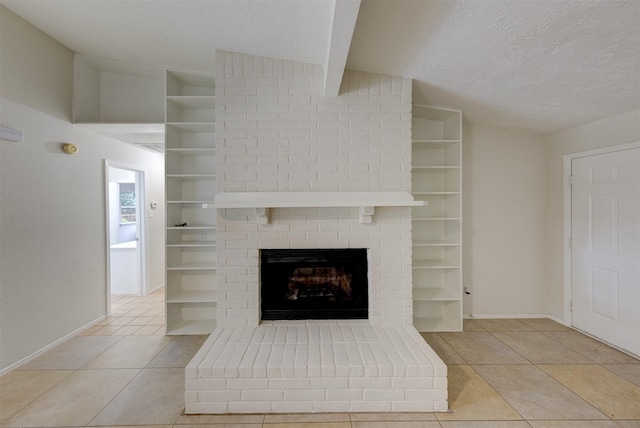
{"points": [[263, 215], [366, 214]]}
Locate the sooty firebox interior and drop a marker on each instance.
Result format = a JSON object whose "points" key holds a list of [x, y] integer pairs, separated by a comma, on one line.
{"points": [[314, 284]]}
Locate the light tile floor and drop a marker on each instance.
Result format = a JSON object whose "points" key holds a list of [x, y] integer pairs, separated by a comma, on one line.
{"points": [[502, 374]]}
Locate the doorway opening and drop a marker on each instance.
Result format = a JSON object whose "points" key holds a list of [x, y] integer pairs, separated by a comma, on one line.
{"points": [[125, 230]]}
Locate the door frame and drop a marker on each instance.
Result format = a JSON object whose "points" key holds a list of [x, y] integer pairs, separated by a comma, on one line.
{"points": [[567, 160], [140, 227]]}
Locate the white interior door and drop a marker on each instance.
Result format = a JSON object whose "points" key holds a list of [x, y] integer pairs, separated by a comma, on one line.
{"points": [[605, 256]]}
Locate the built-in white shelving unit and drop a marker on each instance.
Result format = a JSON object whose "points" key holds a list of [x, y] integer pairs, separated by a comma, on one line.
{"points": [[437, 227], [190, 169]]}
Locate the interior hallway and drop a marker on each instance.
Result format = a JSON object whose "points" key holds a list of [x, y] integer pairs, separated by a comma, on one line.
{"points": [[502, 373]]}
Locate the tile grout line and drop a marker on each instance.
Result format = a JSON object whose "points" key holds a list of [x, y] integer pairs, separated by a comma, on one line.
{"points": [[88, 424], [485, 380], [39, 396], [551, 377], [437, 421]]}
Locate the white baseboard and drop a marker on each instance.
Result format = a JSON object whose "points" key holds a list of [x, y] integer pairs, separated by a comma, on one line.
{"points": [[504, 316], [515, 316], [558, 320], [157, 287], [50, 346]]}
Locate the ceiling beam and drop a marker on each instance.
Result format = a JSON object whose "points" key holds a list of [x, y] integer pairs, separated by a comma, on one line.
{"points": [[345, 14]]}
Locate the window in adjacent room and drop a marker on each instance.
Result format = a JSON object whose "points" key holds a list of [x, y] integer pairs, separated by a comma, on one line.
{"points": [[127, 203]]}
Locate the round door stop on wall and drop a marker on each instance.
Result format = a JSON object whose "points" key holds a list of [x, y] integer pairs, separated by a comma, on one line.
{"points": [[70, 149]]}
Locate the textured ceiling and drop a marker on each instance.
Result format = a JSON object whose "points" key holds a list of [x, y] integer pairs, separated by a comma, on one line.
{"points": [[539, 65]]}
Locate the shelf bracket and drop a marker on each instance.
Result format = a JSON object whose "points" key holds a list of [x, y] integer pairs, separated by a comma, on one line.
{"points": [[366, 214], [263, 215]]}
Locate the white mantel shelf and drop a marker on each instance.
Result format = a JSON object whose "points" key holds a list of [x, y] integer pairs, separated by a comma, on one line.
{"points": [[366, 201]]}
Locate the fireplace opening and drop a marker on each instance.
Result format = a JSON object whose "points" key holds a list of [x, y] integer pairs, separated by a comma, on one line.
{"points": [[314, 284]]}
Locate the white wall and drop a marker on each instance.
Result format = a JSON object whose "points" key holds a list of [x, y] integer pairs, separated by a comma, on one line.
{"points": [[619, 129], [35, 69], [53, 241], [130, 98], [504, 220], [52, 226]]}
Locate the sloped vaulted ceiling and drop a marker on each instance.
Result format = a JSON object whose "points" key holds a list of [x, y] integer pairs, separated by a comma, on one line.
{"points": [[184, 34], [539, 65]]}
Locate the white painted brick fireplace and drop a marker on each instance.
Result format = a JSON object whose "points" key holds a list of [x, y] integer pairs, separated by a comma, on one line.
{"points": [[275, 132]]}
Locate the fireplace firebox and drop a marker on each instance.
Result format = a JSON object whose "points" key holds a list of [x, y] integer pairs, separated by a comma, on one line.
{"points": [[314, 284]]}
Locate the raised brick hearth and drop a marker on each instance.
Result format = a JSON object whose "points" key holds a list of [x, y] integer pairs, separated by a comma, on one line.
{"points": [[316, 366]]}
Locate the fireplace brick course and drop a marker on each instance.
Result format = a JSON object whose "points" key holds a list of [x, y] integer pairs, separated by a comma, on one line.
{"points": [[314, 366], [276, 132]]}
